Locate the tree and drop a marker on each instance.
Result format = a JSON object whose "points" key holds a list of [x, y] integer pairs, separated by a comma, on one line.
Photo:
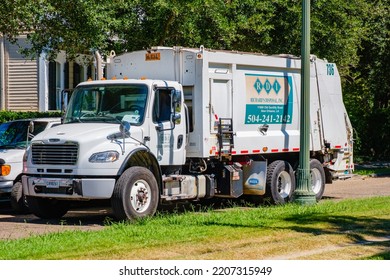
{"points": [[75, 26], [368, 95], [270, 26], [354, 34]]}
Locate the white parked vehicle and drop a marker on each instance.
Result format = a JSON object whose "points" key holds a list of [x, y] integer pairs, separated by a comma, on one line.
{"points": [[188, 124], [14, 137]]}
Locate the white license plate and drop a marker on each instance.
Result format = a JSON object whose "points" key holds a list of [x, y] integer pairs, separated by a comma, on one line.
{"points": [[52, 184]]}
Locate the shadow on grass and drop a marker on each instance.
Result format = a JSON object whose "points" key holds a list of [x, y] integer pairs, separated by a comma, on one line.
{"points": [[356, 228], [363, 231], [341, 225]]}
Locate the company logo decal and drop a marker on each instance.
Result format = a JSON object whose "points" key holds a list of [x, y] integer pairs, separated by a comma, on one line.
{"points": [[269, 99]]}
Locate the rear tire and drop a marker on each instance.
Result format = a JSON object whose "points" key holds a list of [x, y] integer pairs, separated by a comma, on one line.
{"points": [[136, 194], [280, 183], [317, 174], [46, 208], [18, 199]]}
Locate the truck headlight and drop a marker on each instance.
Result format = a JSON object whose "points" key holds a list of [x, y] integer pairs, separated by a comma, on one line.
{"points": [[108, 156]]}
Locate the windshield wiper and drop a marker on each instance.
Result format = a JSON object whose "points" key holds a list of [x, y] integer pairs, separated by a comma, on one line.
{"points": [[104, 118], [113, 118], [74, 120]]}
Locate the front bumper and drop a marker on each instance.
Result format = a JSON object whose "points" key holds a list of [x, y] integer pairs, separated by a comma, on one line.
{"points": [[66, 188]]}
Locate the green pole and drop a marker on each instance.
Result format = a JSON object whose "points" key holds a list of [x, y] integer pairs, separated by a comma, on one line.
{"points": [[304, 193]]}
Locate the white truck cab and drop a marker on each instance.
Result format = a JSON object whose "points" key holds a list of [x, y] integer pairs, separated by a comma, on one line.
{"points": [[14, 137]]}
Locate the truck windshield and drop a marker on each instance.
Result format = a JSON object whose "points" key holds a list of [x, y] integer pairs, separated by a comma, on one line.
{"points": [[13, 135], [108, 103]]}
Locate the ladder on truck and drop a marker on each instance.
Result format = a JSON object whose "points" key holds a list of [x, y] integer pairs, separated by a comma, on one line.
{"points": [[225, 138]]}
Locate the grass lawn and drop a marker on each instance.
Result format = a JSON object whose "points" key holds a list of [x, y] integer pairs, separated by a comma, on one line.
{"points": [[348, 229]]}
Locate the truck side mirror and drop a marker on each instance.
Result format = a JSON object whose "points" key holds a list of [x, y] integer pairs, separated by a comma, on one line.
{"points": [[176, 105], [124, 128], [65, 97], [176, 117], [30, 130], [31, 127], [176, 96]]}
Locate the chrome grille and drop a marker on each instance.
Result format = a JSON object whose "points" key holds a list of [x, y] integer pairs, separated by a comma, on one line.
{"points": [[55, 154]]}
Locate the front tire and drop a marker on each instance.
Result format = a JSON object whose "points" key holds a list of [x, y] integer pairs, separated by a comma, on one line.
{"points": [[18, 199], [317, 174], [280, 183], [46, 208], [135, 194]]}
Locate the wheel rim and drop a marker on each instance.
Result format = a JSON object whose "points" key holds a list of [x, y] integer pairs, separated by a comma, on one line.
{"points": [[284, 183], [140, 196], [316, 180]]}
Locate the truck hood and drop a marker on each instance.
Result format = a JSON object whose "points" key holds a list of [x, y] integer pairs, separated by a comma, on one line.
{"points": [[82, 132], [12, 155]]}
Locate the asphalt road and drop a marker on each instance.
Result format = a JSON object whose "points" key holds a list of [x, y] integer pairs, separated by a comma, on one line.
{"points": [[13, 226]]}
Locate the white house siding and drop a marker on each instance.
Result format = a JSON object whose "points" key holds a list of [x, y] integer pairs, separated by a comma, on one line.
{"points": [[2, 75], [24, 83], [21, 80]]}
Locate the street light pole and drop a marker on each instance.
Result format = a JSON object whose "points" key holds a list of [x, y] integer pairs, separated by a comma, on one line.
{"points": [[304, 193]]}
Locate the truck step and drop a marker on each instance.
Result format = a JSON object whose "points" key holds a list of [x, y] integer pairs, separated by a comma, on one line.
{"points": [[225, 137]]}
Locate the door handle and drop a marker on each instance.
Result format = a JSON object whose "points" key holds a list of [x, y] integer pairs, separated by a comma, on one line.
{"points": [[180, 141]]}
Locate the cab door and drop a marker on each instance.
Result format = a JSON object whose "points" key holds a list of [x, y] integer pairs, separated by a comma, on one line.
{"points": [[167, 131]]}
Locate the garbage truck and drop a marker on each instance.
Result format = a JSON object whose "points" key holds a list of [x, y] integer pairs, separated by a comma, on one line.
{"points": [[171, 124]]}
